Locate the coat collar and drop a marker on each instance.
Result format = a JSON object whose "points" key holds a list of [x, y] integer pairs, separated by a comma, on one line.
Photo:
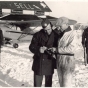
{"points": [[45, 37], [51, 39], [68, 29]]}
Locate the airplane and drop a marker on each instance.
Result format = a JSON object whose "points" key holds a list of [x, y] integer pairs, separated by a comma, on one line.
{"points": [[16, 26], [14, 30]]}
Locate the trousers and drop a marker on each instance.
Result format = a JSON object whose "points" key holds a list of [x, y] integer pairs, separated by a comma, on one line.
{"points": [[38, 80], [65, 69], [65, 80], [87, 54]]}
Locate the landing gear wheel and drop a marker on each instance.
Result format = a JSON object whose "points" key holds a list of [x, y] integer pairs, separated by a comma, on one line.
{"points": [[15, 45]]}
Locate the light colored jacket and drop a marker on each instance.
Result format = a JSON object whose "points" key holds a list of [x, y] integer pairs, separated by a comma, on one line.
{"points": [[67, 47]]}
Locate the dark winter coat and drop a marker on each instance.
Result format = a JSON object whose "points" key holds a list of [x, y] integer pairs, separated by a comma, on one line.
{"points": [[85, 38], [43, 64], [1, 38]]}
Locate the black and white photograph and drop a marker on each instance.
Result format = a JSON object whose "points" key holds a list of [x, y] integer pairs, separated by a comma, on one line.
{"points": [[44, 43]]}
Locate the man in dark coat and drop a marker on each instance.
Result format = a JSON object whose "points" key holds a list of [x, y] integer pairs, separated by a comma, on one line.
{"points": [[85, 41], [43, 61], [1, 39]]}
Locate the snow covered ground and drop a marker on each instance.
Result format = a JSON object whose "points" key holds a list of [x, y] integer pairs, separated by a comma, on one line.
{"points": [[15, 67]]}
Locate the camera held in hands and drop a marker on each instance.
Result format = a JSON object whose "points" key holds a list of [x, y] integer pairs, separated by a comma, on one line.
{"points": [[49, 51]]}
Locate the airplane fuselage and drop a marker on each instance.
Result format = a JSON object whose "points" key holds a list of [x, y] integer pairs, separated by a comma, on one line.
{"points": [[13, 37]]}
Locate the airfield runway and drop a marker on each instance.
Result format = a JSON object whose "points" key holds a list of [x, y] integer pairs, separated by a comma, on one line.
{"points": [[15, 68]]}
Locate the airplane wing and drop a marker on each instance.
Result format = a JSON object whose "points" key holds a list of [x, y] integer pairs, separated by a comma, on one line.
{"points": [[21, 20], [53, 20], [72, 22], [24, 21]]}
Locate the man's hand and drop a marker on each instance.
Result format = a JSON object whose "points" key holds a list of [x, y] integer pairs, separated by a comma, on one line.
{"points": [[42, 49], [52, 49]]}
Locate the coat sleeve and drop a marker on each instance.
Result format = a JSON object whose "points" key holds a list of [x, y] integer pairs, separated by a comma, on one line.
{"points": [[71, 47], [33, 47], [1, 37]]}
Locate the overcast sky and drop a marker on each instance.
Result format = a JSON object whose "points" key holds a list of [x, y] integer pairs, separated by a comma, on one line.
{"points": [[71, 9]]}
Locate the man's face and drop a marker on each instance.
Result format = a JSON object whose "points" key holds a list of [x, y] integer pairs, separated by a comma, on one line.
{"points": [[48, 29], [62, 27]]}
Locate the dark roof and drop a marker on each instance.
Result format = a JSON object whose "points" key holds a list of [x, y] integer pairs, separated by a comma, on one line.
{"points": [[22, 17], [25, 5]]}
